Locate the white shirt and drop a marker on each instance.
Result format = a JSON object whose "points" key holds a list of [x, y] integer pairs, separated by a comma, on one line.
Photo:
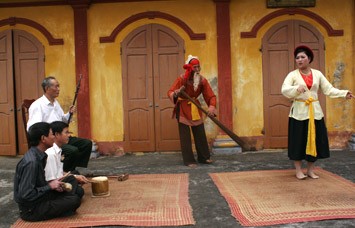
{"points": [[54, 166], [42, 110], [299, 110]]}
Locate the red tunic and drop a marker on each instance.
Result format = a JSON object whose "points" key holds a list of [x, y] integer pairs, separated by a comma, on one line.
{"points": [[185, 106]]}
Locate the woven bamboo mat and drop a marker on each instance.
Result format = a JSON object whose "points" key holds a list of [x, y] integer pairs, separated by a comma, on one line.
{"points": [[261, 198], [142, 200]]}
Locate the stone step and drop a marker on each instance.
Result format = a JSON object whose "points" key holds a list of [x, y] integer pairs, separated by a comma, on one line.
{"points": [[226, 151]]}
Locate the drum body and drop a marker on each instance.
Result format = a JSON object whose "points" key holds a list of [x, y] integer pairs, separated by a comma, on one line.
{"points": [[99, 186]]}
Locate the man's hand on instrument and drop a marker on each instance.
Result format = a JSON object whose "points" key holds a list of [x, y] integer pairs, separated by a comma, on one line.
{"points": [[56, 185], [177, 93], [212, 111], [72, 109], [81, 179]]}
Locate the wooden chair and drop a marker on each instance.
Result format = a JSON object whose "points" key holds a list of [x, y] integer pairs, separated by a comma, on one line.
{"points": [[25, 106]]}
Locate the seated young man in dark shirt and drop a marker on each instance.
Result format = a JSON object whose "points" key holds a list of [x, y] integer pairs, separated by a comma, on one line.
{"points": [[38, 199]]}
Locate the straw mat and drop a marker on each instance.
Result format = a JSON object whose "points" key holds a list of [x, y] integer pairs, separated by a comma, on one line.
{"points": [[261, 198], [142, 200]]}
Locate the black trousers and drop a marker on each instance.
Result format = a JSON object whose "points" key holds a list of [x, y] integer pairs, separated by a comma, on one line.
{"points": [[52, 205], [199, 134], [76, 153]]}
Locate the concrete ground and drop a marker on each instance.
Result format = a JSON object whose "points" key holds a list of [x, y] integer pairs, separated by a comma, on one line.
{"points": [[209, 207]]}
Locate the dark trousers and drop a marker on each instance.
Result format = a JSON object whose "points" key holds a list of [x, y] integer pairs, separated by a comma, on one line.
{"points": [[52, 205], [76, 153], [201, 143], [77, 189]]}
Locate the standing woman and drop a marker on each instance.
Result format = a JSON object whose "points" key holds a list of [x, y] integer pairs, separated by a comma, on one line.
{"points": [[307, 133]]}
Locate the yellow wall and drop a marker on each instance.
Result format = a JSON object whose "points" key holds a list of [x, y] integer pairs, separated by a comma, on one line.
{"points": [[247, 62], [105, 59]]}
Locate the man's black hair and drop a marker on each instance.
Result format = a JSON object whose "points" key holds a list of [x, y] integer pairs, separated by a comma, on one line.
{"points": [[58, 126], [36, 131]]}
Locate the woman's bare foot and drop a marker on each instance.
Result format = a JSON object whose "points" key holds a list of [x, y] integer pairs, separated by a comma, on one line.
{"points": [[300, 176], [312, 175]]}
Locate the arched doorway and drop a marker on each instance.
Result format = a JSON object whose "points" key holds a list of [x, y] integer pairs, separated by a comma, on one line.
{"points": [[278, 60], [22, 68], [152, 58]]}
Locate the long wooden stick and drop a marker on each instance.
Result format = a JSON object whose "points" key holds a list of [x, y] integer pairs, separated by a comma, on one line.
{"points": [[243, 145], [76, 95]]}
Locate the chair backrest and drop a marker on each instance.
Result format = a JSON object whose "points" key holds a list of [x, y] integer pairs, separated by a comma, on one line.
{"points": [[25, 106]]}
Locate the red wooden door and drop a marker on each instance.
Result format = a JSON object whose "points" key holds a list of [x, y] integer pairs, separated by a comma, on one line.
{"points": [[278, 45], [7, 108], [152, 56], [22, 57], [29, 73], [168, 58]]}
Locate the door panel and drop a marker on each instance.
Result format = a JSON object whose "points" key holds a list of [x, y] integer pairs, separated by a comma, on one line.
{"points": [[22, 68], [158, 51], [278, 60], [276, 51], [29, 67], [168, 58], [7, 109], [137, 92]]}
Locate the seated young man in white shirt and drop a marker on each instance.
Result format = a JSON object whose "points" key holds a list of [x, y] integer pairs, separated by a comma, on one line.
{"points": [[54, 166]]}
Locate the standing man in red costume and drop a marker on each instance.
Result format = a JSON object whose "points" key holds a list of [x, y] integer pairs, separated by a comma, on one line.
{"points": [[188, 115]]}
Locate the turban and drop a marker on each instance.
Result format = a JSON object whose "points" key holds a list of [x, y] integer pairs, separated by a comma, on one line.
{"points": [[190, 62]]}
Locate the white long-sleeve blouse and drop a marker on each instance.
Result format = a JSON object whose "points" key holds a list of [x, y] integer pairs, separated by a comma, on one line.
{"points": [[299, 110]]}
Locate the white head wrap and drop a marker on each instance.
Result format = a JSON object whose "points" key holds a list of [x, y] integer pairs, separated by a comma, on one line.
{"points": [[189, 58]]}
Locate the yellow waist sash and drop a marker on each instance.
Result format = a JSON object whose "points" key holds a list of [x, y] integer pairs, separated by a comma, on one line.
{"points": [[195, 115], [311, 148]]}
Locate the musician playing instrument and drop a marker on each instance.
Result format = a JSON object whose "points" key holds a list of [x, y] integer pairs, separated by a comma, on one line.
{"points": [[188, 115], [38, 199], [47, 109], [54, 166]]}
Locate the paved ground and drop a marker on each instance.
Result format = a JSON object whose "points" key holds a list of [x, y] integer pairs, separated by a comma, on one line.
{"points": [[209, 207]]}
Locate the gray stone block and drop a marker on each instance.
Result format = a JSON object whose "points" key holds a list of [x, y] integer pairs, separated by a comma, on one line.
{"points": [[226, 150]]}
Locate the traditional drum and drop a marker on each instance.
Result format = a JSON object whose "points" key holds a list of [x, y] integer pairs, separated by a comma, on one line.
{"points": [[99, 186]]}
